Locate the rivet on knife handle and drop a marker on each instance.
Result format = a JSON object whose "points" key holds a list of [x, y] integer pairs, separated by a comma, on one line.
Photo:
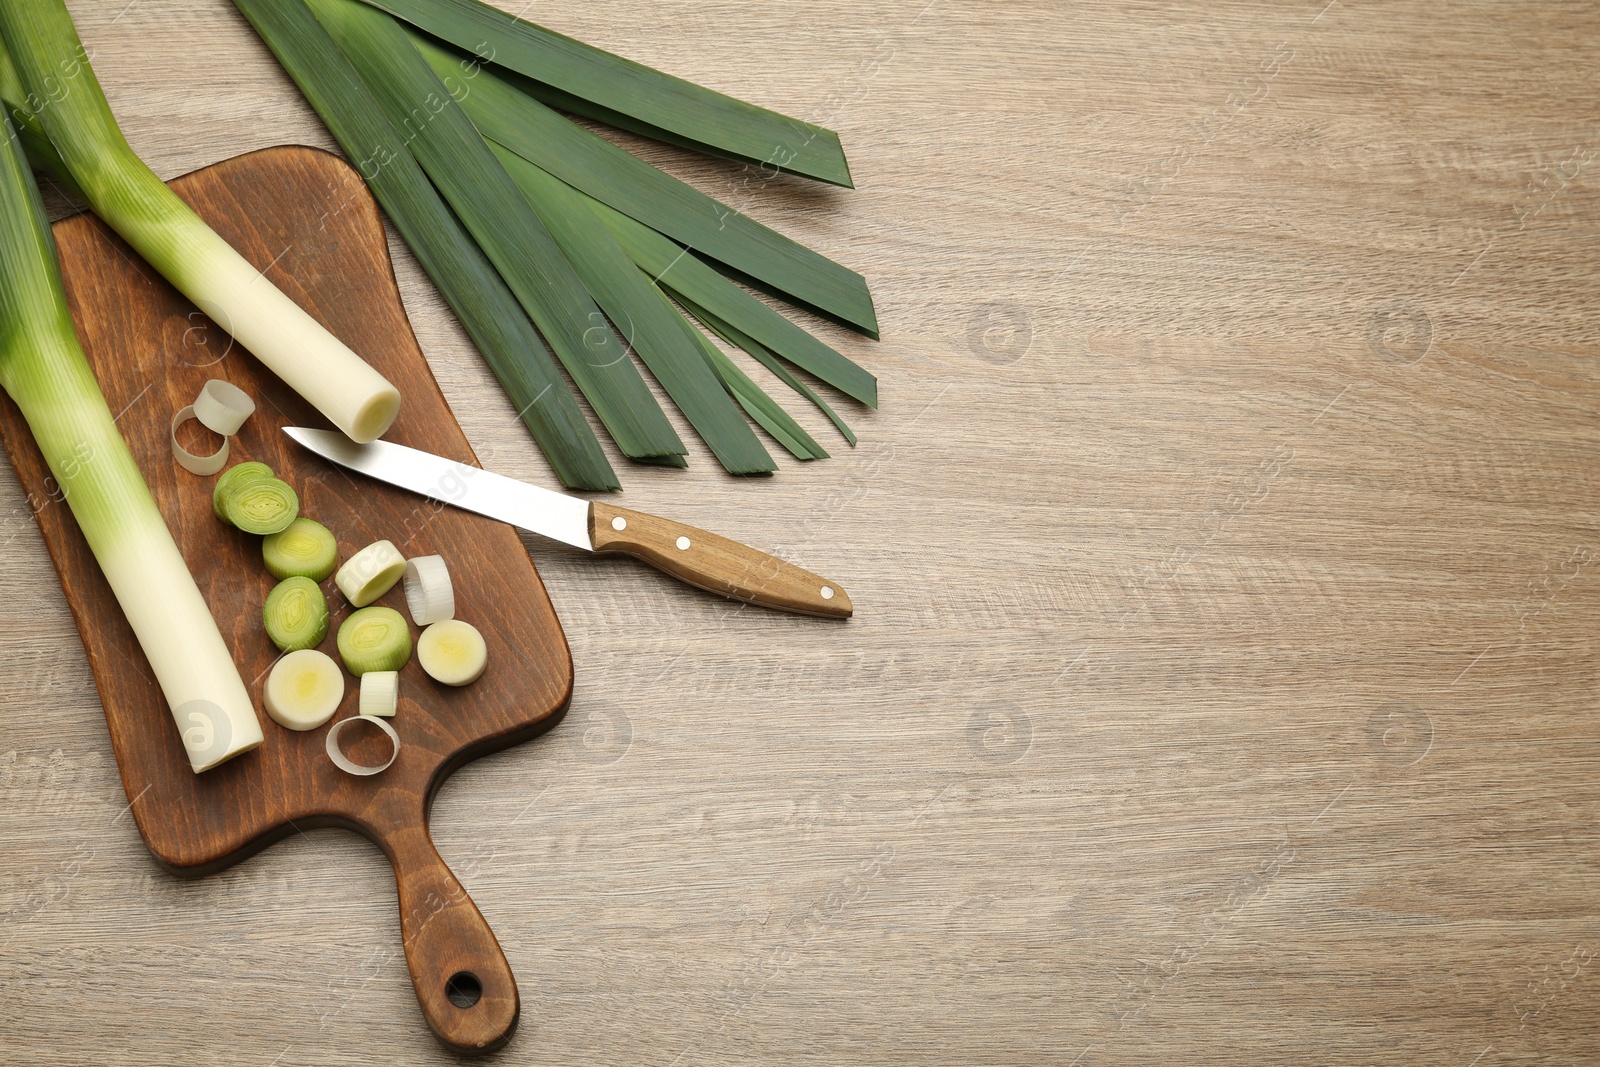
{"points": [[715, 563]]}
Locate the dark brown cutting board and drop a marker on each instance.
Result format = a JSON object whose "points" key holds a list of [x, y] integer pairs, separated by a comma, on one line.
{"points": [[305, 217]]}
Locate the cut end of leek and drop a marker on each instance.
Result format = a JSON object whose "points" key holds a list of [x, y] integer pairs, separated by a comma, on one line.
{"points": [[374, 415], [452, 652], [303, 690], [296, 615], [380, 693], [429, 594], [303, 549], [374, 639], [370, 573]]}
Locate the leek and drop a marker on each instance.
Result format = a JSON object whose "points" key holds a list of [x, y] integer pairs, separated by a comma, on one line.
{"points": [[465, 278], [452, 652], [510, 233], [44, 370], [374, 639], [588, 81], [593, 164], [54, 68]]}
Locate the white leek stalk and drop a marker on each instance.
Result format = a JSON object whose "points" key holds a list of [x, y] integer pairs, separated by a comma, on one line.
{"points": [[44, 370], [63, 91]]}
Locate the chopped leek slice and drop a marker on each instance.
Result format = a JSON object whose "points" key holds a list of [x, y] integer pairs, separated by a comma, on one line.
{"points": [[374, 639], [465, 278], [620, 90], [261, 505], [233, 477], [125, 193], [510, 233], [429, 594], [296, 615], [303, 549], [44, 370], [303, 690], [452, 652], [380, 693], [370, 573]]}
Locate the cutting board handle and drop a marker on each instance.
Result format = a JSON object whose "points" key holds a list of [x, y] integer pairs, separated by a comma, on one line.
{"points": [[463, 981]]}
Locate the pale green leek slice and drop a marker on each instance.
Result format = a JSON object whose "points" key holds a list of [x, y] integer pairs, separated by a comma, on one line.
{"points": [[374, 639], [594, 165], [466, 279], [295, 615], [43, 369], [303, 549], [510, 233], [370, 573], [261, 505], [234, 476], [453, 652], [303, 690], [54, 69], [620, 87]]}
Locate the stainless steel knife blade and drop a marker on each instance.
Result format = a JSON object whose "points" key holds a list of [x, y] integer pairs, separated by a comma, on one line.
{"points": [[543, 511]]}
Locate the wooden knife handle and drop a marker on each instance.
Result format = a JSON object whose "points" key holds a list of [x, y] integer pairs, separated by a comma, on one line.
{"points": [[463, 982], [715, 563]]}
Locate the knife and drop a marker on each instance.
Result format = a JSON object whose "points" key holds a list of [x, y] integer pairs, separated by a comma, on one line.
{"points": [[688, 554]]}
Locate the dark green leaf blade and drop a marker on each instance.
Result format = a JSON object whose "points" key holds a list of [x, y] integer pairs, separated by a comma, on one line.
{"points": [[589, 162], [674, 268], [761, 407], [643, 315], [707, 118], [506, 228], [468, 282], [762, 355]]}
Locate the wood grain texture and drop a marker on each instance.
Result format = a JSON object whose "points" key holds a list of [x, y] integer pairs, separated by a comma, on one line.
{"points": [[1222, 683], [305, 214], [712, 562]]}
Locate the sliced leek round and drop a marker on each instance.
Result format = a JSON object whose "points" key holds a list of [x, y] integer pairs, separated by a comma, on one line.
{"points": [[350, 766], [303, 549], [370, 573], [374, 639], [235, 476], [303, 690], [452, 652], [205, 466], [428, 591], [296, 614], [380, 693], [222, 407], [262, 507]]}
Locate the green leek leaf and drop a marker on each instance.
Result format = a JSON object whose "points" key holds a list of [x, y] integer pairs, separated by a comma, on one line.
{"points": [[467, 280], [680, 273], [764, 356], [702, 117], [644, 316], [589, 162], [757, 404], [510, 233]]}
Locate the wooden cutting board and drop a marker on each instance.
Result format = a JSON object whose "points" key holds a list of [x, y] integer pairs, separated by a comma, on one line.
{"points": [[304, 217]]}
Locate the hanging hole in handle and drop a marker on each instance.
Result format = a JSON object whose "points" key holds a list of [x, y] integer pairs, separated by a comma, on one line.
{"points": [[463, 989]]}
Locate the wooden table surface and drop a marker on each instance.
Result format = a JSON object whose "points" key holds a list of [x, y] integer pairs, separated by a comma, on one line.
{"points": [[1223, 683]]}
